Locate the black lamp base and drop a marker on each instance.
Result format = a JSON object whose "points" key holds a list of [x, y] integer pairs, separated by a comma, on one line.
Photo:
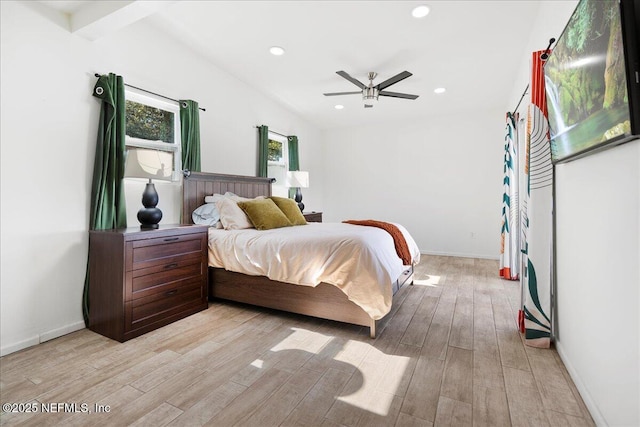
{"points": [[298, 199], [149, 216]]}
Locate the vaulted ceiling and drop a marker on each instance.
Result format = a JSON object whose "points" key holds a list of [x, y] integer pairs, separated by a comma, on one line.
{"points": [[471, 48]]}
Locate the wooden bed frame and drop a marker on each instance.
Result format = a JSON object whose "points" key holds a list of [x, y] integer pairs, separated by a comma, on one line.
{"points": [[324, 301]]}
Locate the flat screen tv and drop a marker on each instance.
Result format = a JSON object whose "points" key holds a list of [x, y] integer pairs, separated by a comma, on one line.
{"points": [[592, 79]]}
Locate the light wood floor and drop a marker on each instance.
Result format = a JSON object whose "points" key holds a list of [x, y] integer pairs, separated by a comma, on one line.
{"points": [[450, 355]]}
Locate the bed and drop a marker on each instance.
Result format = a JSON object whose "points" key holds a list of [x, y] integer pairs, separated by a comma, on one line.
{"points": [[324, 300]]}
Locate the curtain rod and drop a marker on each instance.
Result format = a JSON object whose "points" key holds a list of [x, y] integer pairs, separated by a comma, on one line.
{"points": [[521, 98], [153, 93], [272, 131]]}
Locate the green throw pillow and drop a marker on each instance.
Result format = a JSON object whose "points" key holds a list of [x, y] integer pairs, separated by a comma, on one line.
{"points": [[264, 214], [290, 208]]}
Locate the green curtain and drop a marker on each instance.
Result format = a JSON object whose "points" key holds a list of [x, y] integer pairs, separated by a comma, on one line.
{"points": [[190, 134], [294, 161], [263, 150], [108, 209]]}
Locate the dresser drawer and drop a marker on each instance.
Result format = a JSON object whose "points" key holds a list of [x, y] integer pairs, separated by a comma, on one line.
{"points": [[168, 264], [156, 307], [159, 282], [153, 252]]}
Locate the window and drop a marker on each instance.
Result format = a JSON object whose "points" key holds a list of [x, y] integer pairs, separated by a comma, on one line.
{"points": [[278, 164], [154, 123]]}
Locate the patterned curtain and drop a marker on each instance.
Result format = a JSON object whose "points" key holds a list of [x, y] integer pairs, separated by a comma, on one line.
{"points": [[509, 238], [523, 191], [190, 135], [108, 209], [538, 216]]}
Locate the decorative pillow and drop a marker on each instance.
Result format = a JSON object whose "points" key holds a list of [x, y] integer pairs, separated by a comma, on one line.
{"points": [[237, 198], [214, 198], [231, 216], [234, 196], [264, 214], [291, 210], [206, 214]]}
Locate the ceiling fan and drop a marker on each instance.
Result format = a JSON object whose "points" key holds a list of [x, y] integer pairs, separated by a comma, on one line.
{"points": [[370, 93]]}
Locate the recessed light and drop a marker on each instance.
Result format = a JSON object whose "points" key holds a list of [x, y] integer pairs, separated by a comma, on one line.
{"points": [[276, 50], [420, 11], [339, 107], [439, 90]]}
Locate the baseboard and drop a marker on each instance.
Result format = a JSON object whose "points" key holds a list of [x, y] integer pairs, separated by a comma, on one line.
{"points": [[12, 348], [460, 255], [38, 339], [584, 393], [61, 331]]}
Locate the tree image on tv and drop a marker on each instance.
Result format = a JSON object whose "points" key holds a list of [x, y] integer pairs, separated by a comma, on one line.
{"points": [[585, 80]]}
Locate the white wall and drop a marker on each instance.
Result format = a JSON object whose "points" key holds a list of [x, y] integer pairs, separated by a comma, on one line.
{"points": [[48, 133], [598, 260], [598, 272], [442, 179]]}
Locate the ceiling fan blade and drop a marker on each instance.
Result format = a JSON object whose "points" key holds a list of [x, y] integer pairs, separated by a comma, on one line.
{"points": [[343, 93], [397, 95], [351, 79], [393, 80]]}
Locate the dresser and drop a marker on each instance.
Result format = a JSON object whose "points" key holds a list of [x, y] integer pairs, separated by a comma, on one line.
{"points": [[313, 216], [140, 280]]}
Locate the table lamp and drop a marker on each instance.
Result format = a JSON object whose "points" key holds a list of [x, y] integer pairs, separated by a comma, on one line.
{"points": [[298, 180], [149, 164]]}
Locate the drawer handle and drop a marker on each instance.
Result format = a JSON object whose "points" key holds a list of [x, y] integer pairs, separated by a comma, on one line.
{"points": [[172, 265], [171, 239], [173, 292]]}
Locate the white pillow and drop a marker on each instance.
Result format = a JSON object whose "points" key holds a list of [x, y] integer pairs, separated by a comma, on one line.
{"points": [[231, 216], [237, 198], [206, 214], [214, 198]]}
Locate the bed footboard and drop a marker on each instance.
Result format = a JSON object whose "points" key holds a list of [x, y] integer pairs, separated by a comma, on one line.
{"points": [[324, 301]]}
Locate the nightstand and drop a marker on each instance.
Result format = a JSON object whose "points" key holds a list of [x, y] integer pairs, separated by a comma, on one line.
{"points": [[140, 280], [313, 216]]}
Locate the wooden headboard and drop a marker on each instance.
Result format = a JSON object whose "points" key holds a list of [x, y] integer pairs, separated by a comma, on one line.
{"points": [[200, 184]]}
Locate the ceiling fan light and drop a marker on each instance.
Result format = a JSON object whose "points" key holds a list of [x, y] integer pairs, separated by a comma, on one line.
{"points": [[339, 107], [370, 96], [439, 90], [420, 11]]}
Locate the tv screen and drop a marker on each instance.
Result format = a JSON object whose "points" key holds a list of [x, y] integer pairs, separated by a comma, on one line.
{"points": [[591, 80]]}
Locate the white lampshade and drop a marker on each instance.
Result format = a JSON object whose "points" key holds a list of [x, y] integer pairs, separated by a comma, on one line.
{"points": [[298, 179], [148, 163]]}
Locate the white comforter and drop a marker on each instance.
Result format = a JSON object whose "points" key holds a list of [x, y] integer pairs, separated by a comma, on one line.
{"points": [[360, 260]]}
